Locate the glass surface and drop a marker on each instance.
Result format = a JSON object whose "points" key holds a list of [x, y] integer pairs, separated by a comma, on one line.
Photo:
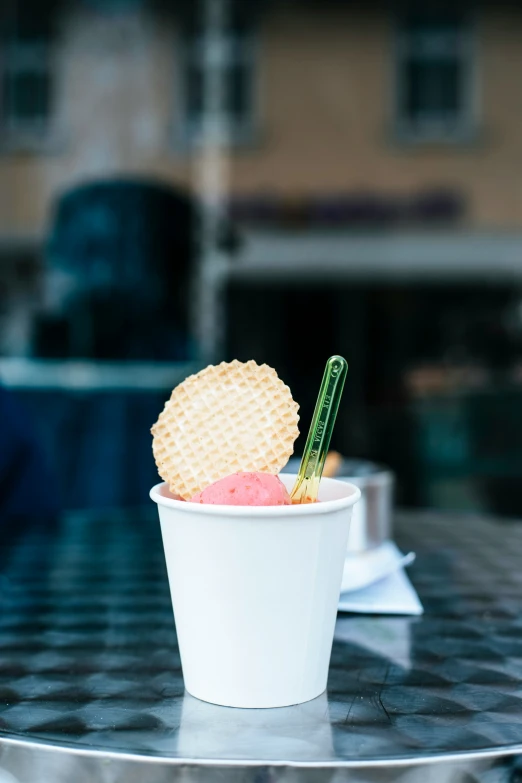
{"points": [[433, 89], [89, 659]]}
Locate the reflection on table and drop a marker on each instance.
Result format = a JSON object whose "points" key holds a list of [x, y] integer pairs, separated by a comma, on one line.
{"points": [[89, 664]]}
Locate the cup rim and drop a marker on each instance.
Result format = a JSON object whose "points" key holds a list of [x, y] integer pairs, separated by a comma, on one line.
{"points": [[353, 493]]}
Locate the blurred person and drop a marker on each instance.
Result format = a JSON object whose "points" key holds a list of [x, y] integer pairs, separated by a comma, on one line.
{"points": [[28, 493]]}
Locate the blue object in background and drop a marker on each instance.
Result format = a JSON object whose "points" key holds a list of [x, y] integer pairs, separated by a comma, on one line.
{"points": [[98, 443], [126, 248], [27, 486]]}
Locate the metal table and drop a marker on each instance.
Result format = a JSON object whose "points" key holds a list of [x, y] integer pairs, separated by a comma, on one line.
{"points": [[91, 686]]}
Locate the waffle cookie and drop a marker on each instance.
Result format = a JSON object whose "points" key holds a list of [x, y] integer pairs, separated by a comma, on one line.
{"points": [[229, 417]]}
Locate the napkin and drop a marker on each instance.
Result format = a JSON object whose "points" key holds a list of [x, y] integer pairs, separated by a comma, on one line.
{"points": [[374, 582]]}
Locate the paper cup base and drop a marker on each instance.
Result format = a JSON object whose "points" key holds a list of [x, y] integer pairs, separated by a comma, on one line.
{"points": [[255, 592]]}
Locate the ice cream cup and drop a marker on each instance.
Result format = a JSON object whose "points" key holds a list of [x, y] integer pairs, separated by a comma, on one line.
{"points": [[255, 591]]}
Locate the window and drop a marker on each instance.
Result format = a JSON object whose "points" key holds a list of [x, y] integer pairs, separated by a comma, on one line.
{"points": [[238, 62], [434, 96], [26, 73]]}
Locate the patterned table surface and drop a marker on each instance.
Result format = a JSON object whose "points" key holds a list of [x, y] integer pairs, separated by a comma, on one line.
{"points": [[89, 662]]}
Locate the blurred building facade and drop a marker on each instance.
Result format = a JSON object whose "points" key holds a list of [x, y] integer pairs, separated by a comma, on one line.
{"points": [[326, 99], [341, 116], [374, 157]]}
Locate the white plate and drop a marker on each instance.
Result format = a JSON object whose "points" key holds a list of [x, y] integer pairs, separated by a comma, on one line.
{"points": [[362, 569]]}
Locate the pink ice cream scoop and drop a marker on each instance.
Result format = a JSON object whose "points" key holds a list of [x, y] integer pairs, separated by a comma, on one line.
{"points": [[245, 489]]}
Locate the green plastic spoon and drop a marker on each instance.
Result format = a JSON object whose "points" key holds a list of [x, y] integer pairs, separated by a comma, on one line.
{"points": [[306, 486]]}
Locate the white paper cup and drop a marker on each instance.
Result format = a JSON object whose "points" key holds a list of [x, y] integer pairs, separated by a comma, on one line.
{"points": [[255, 591]]}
